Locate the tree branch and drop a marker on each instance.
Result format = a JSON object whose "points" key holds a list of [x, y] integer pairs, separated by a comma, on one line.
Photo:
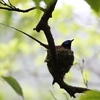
{"points": [[43, 25], [11, 7], [20, 10], [71, 89]]}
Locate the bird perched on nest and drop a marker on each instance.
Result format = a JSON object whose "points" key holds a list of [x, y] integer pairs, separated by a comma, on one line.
{"points": [[65, 57], [65, 60]]}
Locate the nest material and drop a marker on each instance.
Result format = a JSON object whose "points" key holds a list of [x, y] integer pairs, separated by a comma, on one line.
{"points": [[65, 60]]}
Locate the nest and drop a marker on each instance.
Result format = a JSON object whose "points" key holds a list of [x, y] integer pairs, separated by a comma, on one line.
{"points": [[65, 60]]}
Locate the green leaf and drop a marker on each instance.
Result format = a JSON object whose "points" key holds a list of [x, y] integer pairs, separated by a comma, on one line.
{"points": [[14, 84], [91, 95], [95, 5]]}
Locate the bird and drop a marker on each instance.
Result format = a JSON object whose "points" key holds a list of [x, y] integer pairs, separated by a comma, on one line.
{"points": [[65, 57]]}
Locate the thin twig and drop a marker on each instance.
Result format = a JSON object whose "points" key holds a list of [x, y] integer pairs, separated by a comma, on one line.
{"points": [[42, 44], [52, 95], [82, 72], [11, 4], [11, 7], [21, 10]]}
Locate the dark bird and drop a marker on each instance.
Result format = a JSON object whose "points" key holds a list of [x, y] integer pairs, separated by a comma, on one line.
{"points": [[65, 57], [65, 60]]}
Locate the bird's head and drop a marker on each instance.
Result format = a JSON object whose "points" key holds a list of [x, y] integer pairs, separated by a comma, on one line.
{"points": [[67, 44]]}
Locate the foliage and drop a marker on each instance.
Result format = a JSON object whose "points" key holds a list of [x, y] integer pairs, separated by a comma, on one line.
{"points": [[95, 5], [14, 84], [64, 25], [91, 95]]}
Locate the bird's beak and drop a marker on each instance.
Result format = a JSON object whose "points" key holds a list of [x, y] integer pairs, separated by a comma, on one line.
{"points": [[72, 40]]}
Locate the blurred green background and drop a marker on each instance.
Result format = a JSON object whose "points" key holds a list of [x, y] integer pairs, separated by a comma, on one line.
{"points": [[23, 58]]}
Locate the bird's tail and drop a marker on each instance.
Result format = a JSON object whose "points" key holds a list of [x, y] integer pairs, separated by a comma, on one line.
{"points": [[42, 44]]}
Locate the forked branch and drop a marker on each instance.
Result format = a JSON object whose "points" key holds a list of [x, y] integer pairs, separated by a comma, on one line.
{"points": [[10, 7], [43, 25]]}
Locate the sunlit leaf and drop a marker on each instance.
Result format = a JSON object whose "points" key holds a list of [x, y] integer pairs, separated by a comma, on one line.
{"points": [[91, 95], [95, 5], [14, 84]]}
